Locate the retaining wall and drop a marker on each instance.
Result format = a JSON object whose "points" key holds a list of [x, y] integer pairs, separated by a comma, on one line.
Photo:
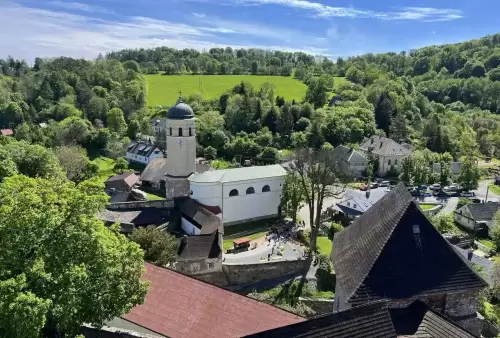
{"points": [[242, 274]]}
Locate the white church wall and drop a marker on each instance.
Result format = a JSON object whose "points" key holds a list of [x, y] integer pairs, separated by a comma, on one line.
{"points": [[189, 228], [209, 194], [246, 207]]}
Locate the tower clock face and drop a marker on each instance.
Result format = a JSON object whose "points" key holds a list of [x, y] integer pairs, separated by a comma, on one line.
{"points": [[179, 142]]}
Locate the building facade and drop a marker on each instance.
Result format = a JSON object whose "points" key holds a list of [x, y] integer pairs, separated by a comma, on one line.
{"points": [[181, 141], [142, 152], [388, 152], [351, 161], [476, 217], [242, 194]]}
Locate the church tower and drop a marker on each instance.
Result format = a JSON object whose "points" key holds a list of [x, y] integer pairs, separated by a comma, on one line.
{"points": [[181, 140]]}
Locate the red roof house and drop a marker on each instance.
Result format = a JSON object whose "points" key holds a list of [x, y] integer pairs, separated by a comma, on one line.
{"points": [[6, 132], [179, 306]]}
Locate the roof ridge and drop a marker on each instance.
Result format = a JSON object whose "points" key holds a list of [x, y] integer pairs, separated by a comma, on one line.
{"points": [[445, 318]]}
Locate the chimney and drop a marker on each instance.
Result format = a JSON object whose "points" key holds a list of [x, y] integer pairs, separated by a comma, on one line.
{"points": [[470, 253]]}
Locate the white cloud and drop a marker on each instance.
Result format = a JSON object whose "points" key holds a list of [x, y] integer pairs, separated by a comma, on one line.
{"points": [[326, 11], [77, 6], [30, 32], [199, 15]]}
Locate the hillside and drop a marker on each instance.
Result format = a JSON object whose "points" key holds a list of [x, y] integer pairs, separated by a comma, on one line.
{"points": [[164, 90]]}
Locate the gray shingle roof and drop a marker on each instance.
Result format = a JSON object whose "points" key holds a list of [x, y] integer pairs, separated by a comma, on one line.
{"points": [[348, 154], [206, 221], [239, 174], [374, 320], [145, 216], [156, 170], [383, 146], [360, 199], [142, 148], [199, 247], [129, 178], [483, 211], [379, 257]]}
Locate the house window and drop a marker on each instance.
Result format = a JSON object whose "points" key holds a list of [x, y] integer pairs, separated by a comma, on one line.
{"points": [[354, 205], [190, 132], [396, 162], [210, 265], [233, 192], [348, 204], [389, 162], [170, 131], [266, 188], [250, 191], [180, 131]]}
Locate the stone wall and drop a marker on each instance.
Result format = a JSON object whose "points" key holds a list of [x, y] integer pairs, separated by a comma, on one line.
{"points": [[320, 306], [460, 307], [253, 273], [199, 266]]}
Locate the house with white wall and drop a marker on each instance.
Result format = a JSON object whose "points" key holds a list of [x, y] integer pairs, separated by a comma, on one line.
{"points": [[142, 152], [388, 152], [351, 161], [242, 194], [477, 216]]}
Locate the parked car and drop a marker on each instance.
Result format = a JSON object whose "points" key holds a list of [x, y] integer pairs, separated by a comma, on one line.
{"points": [[451, 188], [467, 194], [374, 186], [427, 194], [384, 184], [436, 186], [423, 187]]}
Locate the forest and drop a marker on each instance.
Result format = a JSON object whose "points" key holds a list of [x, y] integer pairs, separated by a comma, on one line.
{"points": [[431, 97]]}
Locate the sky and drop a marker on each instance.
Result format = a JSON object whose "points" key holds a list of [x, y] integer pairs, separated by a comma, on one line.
{"points": [[34, 28]]}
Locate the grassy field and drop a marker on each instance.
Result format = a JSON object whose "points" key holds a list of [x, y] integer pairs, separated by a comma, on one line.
{"points": [[338, 81], [324, 245], [164, 90], [495, 189], [106, 167], [426, 206]]}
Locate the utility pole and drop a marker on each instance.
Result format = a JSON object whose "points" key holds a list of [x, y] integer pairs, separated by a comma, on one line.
{"points": [[487, 192]]}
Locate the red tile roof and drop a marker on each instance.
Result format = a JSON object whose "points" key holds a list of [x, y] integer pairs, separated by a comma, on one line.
{"points": [[180, 306], [6, 132], [242, 240]]}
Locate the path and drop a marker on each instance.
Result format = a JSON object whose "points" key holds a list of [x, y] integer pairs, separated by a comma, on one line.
{"points": [[291, 251]]}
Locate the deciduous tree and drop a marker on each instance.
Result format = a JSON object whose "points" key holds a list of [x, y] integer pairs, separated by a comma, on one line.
{"points": [[159, 246], [60, 266]]}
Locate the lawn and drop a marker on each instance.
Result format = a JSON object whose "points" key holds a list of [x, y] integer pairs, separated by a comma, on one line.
{"points": [[153, 197], [324, 245], [487, 243], [495, 189], [338, 81], [228, 243], [426, 206], [163, 90], [106, 167]]}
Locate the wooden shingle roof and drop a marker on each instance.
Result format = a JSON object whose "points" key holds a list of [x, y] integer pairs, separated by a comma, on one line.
{"points": [[393, 251], [374, 320]]}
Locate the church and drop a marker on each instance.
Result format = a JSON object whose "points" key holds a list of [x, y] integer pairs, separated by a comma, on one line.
{"points": [[236, 195]]}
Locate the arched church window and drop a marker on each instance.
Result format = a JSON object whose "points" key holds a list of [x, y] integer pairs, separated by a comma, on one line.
{"points": [[266, 188], [190, 132], [250, 190], [180, 131], [233, 192]]}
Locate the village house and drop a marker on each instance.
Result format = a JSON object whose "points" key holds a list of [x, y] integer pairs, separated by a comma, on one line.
{"points": [[375, 320], [200, 254], [454, 166], [158, 125], [180, 306], [142, 152], [388, 152], [351, 161], [355, 203], [392, 252], [121, 182], [477, 216]]}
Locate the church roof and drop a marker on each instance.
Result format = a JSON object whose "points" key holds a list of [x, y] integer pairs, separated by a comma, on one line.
{"points": [[239, 174], [180, 111], [374, 320], [393, 251], [199, 247], [384, 146]]}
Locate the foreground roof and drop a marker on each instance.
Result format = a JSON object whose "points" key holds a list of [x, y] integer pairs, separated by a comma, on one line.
{"points": [[392, 251], [180, 306], [384, 146], [239, 174], [374, 321]]}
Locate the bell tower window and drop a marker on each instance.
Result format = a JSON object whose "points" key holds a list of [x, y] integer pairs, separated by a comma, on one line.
{"points": [[190, 132], [180, 131]]}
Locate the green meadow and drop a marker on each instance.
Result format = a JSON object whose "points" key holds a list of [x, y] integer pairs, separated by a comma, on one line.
{"points": [[163, 90]]}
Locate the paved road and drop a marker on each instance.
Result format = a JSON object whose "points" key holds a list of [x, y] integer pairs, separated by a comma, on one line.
{"points": [[291, 252]]}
